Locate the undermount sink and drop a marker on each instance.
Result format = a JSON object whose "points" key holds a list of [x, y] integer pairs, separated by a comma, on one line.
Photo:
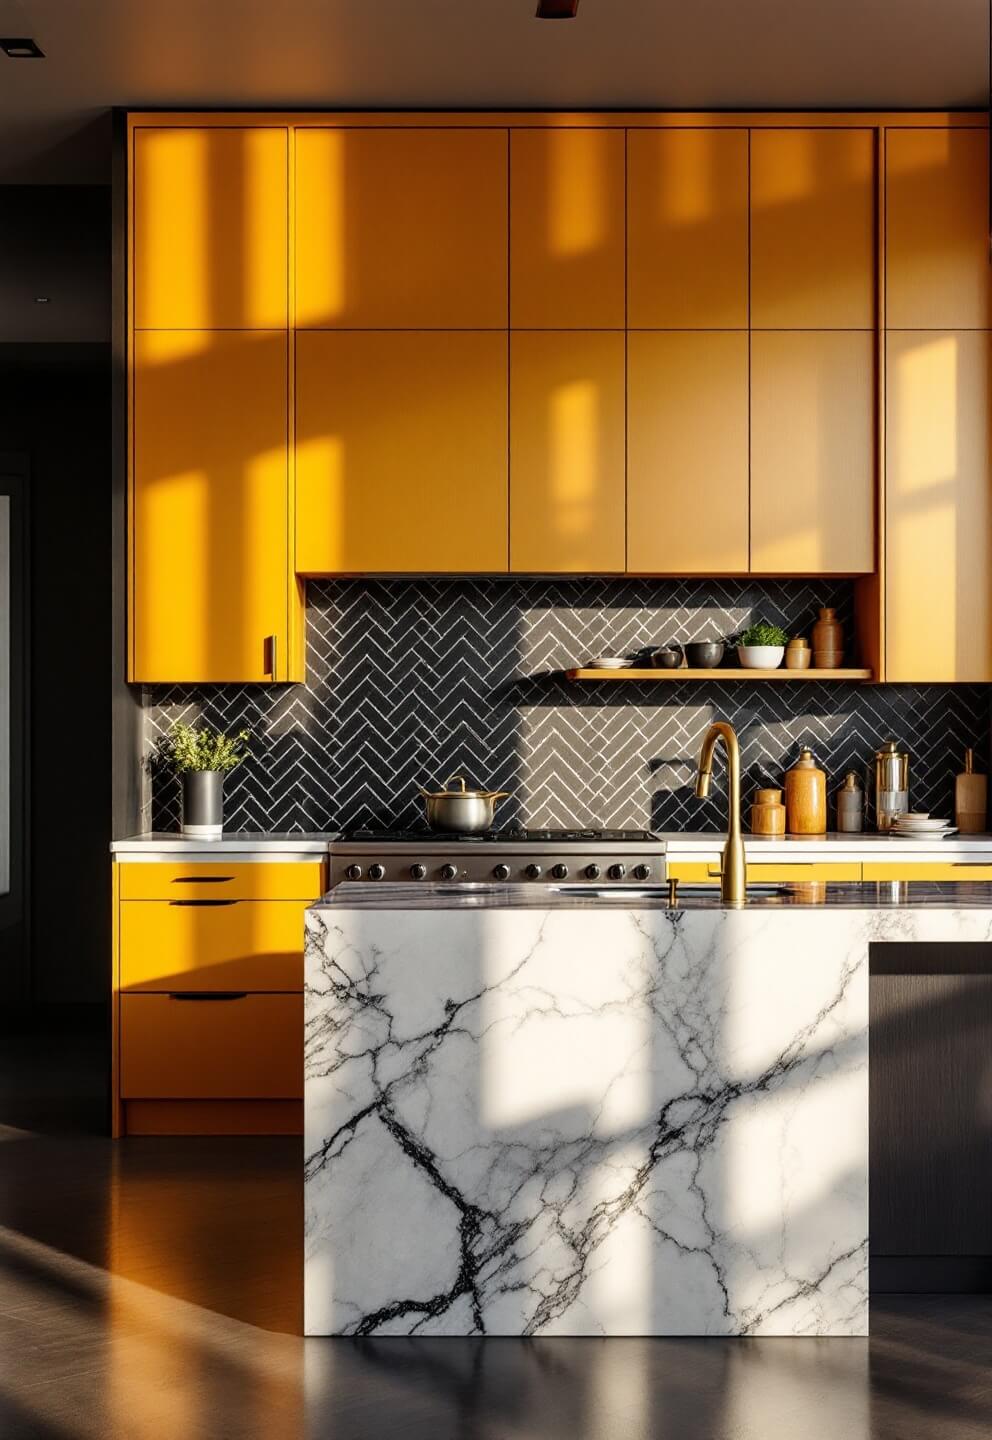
{"points": [[661, 892]]}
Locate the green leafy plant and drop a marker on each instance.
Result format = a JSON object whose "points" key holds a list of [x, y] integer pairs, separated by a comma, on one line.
{"points": [[187, 747], [762, 633]]}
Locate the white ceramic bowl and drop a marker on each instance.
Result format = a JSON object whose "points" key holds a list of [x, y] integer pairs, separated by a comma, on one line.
{"points": [[761, 657]]}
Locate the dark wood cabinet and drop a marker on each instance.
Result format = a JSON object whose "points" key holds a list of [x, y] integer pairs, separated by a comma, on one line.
{"points": [[931, 1117]]}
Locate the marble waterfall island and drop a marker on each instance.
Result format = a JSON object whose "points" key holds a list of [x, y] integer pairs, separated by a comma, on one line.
{"points": [[527, 1114]]}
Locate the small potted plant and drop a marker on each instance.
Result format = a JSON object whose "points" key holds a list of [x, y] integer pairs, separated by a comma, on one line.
{"points": [[201, 757], [761, 646]]}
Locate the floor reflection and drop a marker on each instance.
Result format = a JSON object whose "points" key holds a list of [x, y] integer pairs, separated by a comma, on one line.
{"points": [[153, 1289]]}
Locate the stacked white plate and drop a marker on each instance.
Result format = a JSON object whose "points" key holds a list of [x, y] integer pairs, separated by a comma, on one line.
{"points": [[920, 825], [608, 662]]}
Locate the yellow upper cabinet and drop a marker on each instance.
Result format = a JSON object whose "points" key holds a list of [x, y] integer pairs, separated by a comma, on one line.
{"points": [[938, 508], [401, 451], [211, 223], [687, 484], [209, 571], [937, 238], [812, 452], [687, 221], [813, 229], [567, 451], [567, 229], [401, 228]]}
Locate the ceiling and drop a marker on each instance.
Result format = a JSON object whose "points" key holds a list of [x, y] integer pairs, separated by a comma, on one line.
{"points": [[628, 54]]}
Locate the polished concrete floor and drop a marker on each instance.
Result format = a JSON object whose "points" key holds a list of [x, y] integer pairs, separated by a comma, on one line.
{"points": [[152, 1289]]}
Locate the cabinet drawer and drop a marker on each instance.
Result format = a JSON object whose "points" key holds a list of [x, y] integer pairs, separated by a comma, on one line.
{"points": [[921, 870], [294, 880], [798, 873], [247, 1047], [212, 944]]}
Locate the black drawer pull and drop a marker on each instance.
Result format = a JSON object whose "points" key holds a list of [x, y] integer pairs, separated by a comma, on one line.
{"points": [[207, 903], [208, 994], [202, 879]]}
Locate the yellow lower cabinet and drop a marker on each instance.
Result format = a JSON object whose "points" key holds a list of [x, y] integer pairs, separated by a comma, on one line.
{"points": [[244, 880], [913, 870], [703, 872], [254, 945], [208, 1004]]}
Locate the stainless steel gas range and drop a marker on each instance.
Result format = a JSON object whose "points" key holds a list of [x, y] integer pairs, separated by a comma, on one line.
{"points": [[528, 856]]}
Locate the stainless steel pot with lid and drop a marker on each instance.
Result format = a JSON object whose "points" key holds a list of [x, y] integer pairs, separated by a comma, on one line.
{"points": [[462, 809]]}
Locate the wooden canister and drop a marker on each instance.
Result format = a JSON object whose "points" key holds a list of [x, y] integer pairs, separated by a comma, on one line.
{"points": [[806, 797], [970, 798], [767, 813], [798, 654], [828, 640]]}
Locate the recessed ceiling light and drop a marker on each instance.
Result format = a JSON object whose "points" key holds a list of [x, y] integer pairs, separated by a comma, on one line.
{"points": [[557, 9], [23, 49]]}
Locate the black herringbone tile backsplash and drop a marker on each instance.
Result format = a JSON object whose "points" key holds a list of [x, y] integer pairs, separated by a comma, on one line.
{"points": [[411, 681]]}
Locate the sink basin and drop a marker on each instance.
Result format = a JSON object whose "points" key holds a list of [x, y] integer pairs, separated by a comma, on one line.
{"points": [[660, 892]]}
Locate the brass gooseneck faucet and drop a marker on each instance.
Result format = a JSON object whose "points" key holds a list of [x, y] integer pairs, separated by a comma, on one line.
{"points": [[733, 865]]}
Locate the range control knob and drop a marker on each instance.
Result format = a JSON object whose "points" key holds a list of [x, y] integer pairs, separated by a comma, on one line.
{"points": [[376, 872], [559, 872], [417, 872], [449, 872], [617, 872], [642, 872], [533, 872], [592, 872], [354, 872], [501, 872]]}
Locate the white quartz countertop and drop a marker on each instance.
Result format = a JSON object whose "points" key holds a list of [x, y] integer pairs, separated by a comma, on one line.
{"points": [[674, 844], [244, 844], [799, 849]]}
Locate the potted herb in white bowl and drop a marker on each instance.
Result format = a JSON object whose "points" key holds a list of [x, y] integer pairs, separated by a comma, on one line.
{"points": [[761, 646], [201, 757]]}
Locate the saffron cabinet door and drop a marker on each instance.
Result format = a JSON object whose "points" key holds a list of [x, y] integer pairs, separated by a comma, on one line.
{"points": [[687, 229], [401, 452], [211, 590], [813, 229], [812, 452], [937, 229], [210, 227], [938, 506], [567, 451], [687, 474], [401, 228], [567, 229]]}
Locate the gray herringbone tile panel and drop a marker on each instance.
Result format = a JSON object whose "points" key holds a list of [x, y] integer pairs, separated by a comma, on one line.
{"points": [[411, 681]]}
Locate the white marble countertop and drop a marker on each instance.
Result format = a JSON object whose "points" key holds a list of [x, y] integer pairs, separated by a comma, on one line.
{"points": [[860, 895]]}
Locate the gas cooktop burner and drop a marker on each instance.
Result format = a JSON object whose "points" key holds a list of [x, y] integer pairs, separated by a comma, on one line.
{"points": [[489, 837]]}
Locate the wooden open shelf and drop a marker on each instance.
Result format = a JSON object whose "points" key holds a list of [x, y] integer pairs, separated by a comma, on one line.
{"points": [[720, 673]]}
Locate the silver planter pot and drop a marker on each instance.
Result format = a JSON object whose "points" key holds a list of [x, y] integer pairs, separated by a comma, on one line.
{"points": [[203, 804]]}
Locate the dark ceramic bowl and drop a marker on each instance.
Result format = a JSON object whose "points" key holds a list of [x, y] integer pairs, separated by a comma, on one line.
{"points": [[667, 658], [703, 654]]}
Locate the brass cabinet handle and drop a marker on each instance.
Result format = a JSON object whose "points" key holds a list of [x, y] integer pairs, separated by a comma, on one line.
{"points": [[273, 642], [203, 904], [208, 994], [202, 879]]}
